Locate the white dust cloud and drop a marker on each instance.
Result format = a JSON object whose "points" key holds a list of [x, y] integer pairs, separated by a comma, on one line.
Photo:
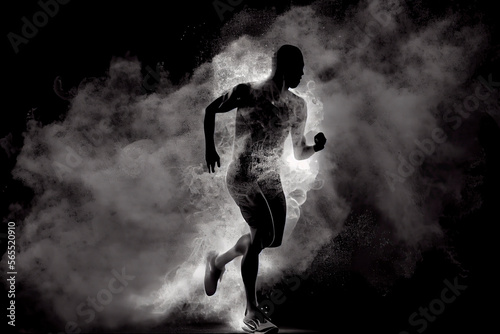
{"points": [[120, 184]]}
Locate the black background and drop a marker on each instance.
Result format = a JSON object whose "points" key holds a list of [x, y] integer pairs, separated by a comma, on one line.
{"points": [[80, 41]]}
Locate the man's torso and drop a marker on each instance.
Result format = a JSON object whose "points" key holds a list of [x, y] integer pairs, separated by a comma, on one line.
{"points": [[263, 122]]}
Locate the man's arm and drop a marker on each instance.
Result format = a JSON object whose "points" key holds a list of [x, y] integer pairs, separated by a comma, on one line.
{"points": [[301, 150], [224, 103]]}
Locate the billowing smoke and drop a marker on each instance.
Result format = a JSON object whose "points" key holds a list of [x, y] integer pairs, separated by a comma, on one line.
{"points": [[124, 211]]}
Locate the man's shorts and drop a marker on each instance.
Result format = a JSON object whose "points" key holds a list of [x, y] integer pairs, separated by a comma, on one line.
{"points": [[263, 207]]}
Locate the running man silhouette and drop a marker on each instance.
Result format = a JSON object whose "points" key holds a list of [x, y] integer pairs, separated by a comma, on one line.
{"points": [[266, 113]]}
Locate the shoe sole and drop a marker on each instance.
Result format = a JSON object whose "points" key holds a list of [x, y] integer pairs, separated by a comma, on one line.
{"points": [[272, 330], [269, 330]]}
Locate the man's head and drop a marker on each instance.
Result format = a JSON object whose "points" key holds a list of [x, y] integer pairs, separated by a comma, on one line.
{"points": [[288, 63]]}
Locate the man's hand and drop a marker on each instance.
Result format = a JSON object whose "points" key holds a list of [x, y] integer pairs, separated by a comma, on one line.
{"points": [[319, 142], [212, 157]]}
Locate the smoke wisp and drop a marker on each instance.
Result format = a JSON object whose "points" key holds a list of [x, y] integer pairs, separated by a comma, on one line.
{"points": [[121, 188]]}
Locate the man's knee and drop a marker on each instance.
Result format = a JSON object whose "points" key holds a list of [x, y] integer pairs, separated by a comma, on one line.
{"points": [[257, 244], [243, 244], [276, 243]]}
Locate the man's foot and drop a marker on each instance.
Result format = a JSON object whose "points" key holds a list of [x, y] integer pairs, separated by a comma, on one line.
{"points": [[212, 274], [258, 322]]}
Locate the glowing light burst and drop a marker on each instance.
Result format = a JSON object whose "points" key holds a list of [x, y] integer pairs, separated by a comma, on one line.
{"points": [[218, 221], [242, 61]]}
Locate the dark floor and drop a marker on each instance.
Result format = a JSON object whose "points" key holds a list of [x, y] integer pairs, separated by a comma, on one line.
{"points": [[219, 328]]}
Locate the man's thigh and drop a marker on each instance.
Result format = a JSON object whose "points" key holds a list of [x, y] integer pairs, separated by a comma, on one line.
{"points": [[267, 215]]}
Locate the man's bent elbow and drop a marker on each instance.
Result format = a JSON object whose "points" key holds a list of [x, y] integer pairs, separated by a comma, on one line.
{"points": [[298, 154]]}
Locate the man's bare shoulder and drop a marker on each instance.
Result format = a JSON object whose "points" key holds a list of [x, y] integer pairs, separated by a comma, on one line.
{"points": [[252, 90], [242, 89], [257, 88]]}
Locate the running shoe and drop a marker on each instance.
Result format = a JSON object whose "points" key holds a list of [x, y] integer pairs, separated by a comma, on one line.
{"points": [[259, 324]]}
